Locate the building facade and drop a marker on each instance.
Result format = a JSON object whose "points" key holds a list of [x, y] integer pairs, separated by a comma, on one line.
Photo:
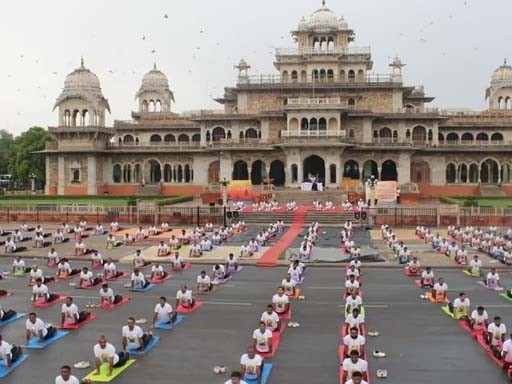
{"points": [[325, 113]]}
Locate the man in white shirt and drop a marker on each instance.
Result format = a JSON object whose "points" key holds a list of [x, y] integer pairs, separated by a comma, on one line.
{"points": [[353, 364], [427, 278], [53, 257], [105, 353], [357, 378], [236, 378], [353, 301], [164, 313], [461, 307], [354, 342], [495, 335], [64, 270], [295, 273], [107, 296], [134, 337], [109, 270], [97, 259], [35, 327], [40, 293], [281, 302], [271, 319], [87, 278], [231, 263], [475, 266], [414, 266], [506, 353], [163, 249], [138, 281], [351, 285], [251, 364], [289, 285], [195, 250], [479, 319], [9, 353], [439, 290], [262, 338], [492, 280], [184, 297], [70, 313], [203, 283], [157, 272], [219, 273], [138, 260], [18, 266], [66, 377], [355, 319]]}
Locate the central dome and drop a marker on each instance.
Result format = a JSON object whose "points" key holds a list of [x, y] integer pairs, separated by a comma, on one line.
{"points": [[503, 73], [82, 78], [323, 18], [155, 79]]}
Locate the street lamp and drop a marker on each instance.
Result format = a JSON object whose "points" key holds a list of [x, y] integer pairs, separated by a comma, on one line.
{"points": [[32, 177]]}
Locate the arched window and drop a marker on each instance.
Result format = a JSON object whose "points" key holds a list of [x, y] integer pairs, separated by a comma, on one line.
{"points": [[187, 173], [419, 134], [295, 173], [322, 124], [330, 75], [351, 103], [473, 173], [228, 136], [218, 134], [155, 139], [128, 139], [85, 117], [167, 173], [323, 75], [251, 133], [500, 102], [158, 106], [208, 136], [180, 174], [351, 75], [127, 173], [360, 75], [395, 136], [430, 135], [75, 175], [332, 174], [315, 75], [295, 76], [496, 137], [183, 138], [452, 138], [508, 103], [284, 77], [440, 137], [408, 135], [351, 134], [304, 124], [343, 76], [116, 173], [351, 169], [313, 124], [482, 137], [451, 174], [196, 138], [466, 138], [137, 173], [462, 173], [169, 138]]}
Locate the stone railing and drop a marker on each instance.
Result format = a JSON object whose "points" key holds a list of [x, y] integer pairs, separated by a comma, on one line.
{"points": [[284, 52]]}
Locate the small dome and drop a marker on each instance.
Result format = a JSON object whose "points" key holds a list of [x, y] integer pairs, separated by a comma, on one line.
{"points": [[396, 62], [303, 24], [322, 19], [155, 81], [503, 73], [343, 23]]}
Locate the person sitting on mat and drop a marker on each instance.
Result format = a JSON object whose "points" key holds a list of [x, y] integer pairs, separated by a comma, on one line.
{"points": [[203, 283], [153, 231], [112, 242], [479, 318], [461, 307], [184, 297], [495, 336], [64, 269], [37, 273], [461, 256], [40, 293], [231, 263], [163, 249], [174, 243], [439, 290], [134, 337], [251, 365], [140, 234], [11, 247], [427, 278], [352, 270], [157, 271], [35, 327], [70, 313], [475, 266], [66, 377], [353, 364], [177, 262], [58, 237], [53, 257], [39, 241], [351, 285], [18, 266], [262, 338], [295, 273], [219, 273], [80, 248], [280, 301], [6, 315], [492, 280], [138, 260], [128, 239], [195, 250], [87, 278], [164, 313], [271, 318], [104, 352], [164, 227], [353, 301], [414, 265], [206, 245], [354, 341], [236, 378], [357, 378], [99, 231], [9, 353], [289, 285], [114, 226], [137, 279], [506, 353], [107, 296], [355, 319], [97, 259], [109, 269]]}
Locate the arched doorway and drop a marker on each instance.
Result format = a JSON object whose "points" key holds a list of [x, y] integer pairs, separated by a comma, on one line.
{"points": [[277, 173], [389, 172], [314, 166], [351, 170], [420, 172], [240, 171], [153, 172], [218, 134], [489, 172], [214, 172], [258, 172], [370, 168]]}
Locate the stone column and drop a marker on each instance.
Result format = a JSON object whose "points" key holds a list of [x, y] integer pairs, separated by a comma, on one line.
{"points": [[367, 131], [47, 175], [61, 175], [226, 166], [92, 188]]}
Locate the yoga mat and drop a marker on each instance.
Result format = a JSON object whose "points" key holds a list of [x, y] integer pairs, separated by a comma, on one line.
{"points": [[471, 274], [296, 295], [474, 332], [446, 310], [276, 337], [12, 319], [486, 347], [158, 281], [491, 288], [90, 318], [222, 281], [286, 316], [35, 344], [267, 367], [91, 286], [106, 306], [20, 274], [137, 352], [103, 378], [3, 368], [409, 273], [504, 295], [178, 320], [418, 283], [432, 300], [123, 274], [186, 266], [147, 288], [67, 277], [44, 304], [196, 306]]}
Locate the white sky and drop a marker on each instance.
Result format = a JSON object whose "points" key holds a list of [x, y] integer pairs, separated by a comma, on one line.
{"points": [[450, 46]]}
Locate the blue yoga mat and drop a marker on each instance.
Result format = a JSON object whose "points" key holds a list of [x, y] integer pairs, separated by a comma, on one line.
{"points": [[148, 287], [160, 325], [12, 319], [3, 368], [267, 367], [35, 344], [136, 352]]}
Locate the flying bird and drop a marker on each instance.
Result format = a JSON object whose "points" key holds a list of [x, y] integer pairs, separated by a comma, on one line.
{"points": [[165, 16]]}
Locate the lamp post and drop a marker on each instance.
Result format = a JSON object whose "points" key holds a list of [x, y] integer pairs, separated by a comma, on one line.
{"points": [[32, 177], [224, 191]]}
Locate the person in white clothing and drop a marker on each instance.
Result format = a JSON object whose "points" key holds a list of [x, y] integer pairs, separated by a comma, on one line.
{"points": [[251, 364], [219, 273], [18, 266], [40, 293], [157, 271], [461, 307], [164, 313], [475, 266], [87, 278], [495, 335], [107, 296], [351, 285], [479, 318], [354, 341], [280, 301], [236, 378], [36, 328], [138, 260], [492, 280], [109, 270], [427, 278], [506, 353], [184, 297], [353, 364], [105, 353], [70, 313], [231, 263], [289, 285], [9, 353], [271, 318], [439, 290], [134, 337], [66, 377], [262, 338], [137, 279], [353, 301], [357, 378], [203, 283], [355, 319], [163, 249]]}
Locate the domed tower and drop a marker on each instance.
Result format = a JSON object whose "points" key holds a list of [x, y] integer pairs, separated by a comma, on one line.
{"points": [[154, 94], [81, 102], [500, 91]]}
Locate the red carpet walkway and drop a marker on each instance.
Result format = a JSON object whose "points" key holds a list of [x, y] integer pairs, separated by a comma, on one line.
{"points": [[270, 257]]}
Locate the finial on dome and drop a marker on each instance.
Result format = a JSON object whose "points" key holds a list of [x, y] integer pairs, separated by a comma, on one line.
{"points": [[82, 66], [323, 3], [154, 66], [505, 61]]}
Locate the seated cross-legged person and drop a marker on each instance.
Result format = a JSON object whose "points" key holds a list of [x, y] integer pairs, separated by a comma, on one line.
{"points": [[492, 280], [475, 266], [495, 336], [251, 365], [184, 297], [271, 318], [479, 318], [355, 319], [439, 290], [195, 250], [231, 263], [177, 261], [353, 301], [18, 266], [351, 285], [163, 249], [289, 285], [281, 302], [414, 266], [203, 283], [70, 313], [138, 260], [53, 257], [357, 378], [461, 307], [427, 278], [353, 364]]}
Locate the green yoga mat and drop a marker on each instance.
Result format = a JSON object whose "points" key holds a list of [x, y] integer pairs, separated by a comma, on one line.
{"points": [[447, 311], [471, 274], [504, 295], [103, 378]]}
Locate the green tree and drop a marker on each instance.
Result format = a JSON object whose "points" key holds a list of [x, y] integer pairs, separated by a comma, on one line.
{"points": [[6, 141], [22, 159]]}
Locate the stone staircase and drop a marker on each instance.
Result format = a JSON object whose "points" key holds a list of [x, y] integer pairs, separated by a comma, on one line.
{"points": [[306, 198], [149, 189], [331, 219], [491, 191]]}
